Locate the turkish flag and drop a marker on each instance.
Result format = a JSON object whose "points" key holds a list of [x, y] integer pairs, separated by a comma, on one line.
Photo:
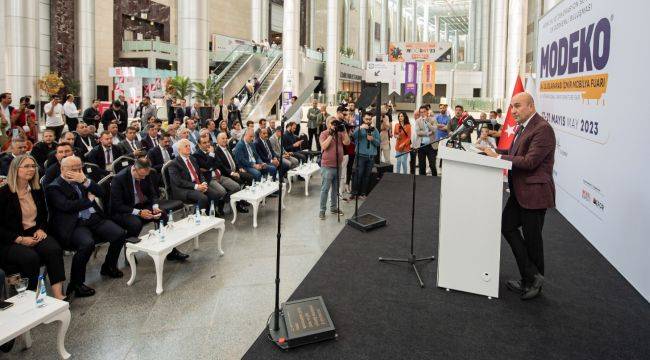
{"points": [[508, 128]]}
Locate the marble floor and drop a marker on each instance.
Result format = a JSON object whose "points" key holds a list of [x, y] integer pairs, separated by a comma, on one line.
{"points": [[212, 307]]}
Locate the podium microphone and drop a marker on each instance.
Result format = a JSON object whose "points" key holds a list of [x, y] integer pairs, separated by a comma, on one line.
{"points": [[468, 124]]}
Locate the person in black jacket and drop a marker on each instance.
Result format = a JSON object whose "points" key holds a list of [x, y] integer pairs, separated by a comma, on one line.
{"points": [[78, 223], [264, 149], [63, 150], [43, 148], [226, 162], [114, 113], [187, 182], [160, 154], [105, 153], [91, 115], [134, 201], [24, 242], [18, 147]]}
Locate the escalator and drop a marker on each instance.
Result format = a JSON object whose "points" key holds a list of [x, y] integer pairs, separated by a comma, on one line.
{"points": [[266, 96]]}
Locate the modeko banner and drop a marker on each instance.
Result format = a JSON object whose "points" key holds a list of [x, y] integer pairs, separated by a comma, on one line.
{"points": [[592, 88], [419, 51], [429, 78], [411, 78]]}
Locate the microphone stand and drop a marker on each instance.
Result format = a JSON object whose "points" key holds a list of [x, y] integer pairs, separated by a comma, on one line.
{"points": [[276, 311], [412, 259]]}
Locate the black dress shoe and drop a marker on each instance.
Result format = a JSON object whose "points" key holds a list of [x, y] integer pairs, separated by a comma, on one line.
{"points": [[133, 240], [79, 291], [242, 209], [6, 347], [533, 290], [515, 286], [176, 255], [114, 273]]}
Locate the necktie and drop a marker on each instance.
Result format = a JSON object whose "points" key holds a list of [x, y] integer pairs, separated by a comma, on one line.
{"points": [[133, 147], [195, 176], [250, 153], [138, 191], [230, 161], [518, 131], [165, 154], [266, 146], [155, 141], [109, 157]]}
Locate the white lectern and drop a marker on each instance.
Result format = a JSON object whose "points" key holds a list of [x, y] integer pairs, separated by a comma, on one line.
{"points": [[469, 243]]}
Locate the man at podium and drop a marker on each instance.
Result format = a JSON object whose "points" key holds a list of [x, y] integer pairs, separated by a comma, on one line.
{"points": [[532, 191]]}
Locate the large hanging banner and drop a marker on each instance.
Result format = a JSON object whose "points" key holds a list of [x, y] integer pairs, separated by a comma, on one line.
{"points": [[429, 78], [418, 51], [386, 72], [411, 78], [590, 67]]}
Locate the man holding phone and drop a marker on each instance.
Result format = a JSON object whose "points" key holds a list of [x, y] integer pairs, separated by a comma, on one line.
{"points": [[134, 201], [54, 116]]}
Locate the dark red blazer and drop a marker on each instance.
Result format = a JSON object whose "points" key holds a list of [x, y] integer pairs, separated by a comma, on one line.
{"points": [[532, 159]]}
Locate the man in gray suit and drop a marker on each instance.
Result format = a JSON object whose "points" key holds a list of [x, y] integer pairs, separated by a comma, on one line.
{"points": [[288, 161]]}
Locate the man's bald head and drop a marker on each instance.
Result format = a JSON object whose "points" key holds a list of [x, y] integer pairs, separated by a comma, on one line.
{"points": [[70, 162], [522, 107]]}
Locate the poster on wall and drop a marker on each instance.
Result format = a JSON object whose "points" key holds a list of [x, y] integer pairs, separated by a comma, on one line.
{"points": [[386, 72], [589, 71], [131, 88], [419, 51], [429, 78], [411, 78], [154, 88]]}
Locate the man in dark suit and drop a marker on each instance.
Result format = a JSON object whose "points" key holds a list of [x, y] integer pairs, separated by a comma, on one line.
{"points": [[151, 140], [43, 148], [85, 140], [160, 154], [18, 147], [208, 165], [105, 153], [247, 158], [130, 144], [532, 191], [226, 162], [91, 115], [134, 201], [292, 144], [53, 171], [187, 183], [265, 150], [77, 221], [114, 113]]}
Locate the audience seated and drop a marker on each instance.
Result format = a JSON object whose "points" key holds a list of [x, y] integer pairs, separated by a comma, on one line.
{"points": [[66, 138], [43, 148], [208, 165], [291, 144], [151, 140], [226, 162], [18, 147], [63, 150], [117, 136], [85, 139], [187, 183], [24, 242], [266, 153], [183, 134], [134, 201], [275, 140], [78, 223], [161, 154], [130, 143], [247, 158]]}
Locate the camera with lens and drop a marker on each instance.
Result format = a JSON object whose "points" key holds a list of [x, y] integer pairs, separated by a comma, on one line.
{"points": [[26, 100], [370, 129], [339, 125]]}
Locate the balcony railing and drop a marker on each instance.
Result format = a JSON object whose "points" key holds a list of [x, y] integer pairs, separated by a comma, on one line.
{"points": [[149, 45]]}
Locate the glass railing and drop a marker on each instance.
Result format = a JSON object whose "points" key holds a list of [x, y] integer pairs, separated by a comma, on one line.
{"points": [[351, 62], [149, 45], [315, 55]]}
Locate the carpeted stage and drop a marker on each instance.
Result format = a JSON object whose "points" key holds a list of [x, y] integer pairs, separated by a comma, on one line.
{"points": [[587, 309]]}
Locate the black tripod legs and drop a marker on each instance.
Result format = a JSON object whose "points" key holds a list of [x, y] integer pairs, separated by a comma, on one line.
{"points": [[413, 261]]}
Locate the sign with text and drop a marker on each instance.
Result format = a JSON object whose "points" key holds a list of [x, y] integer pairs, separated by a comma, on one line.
{"points": [[386, 72], [418, 51], [590, 68]]}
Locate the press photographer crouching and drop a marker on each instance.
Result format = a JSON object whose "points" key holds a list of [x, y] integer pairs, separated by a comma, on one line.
{"points": [[367, 139], [331, 141]]}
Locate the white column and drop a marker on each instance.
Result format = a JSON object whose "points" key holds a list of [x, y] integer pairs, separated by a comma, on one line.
{"points": [[446, 27], [476, 40], [516, 53], [363, 32], [425, 29], [456, 46], [346, 24], [414, 23], [383, 34], [85, 50], [265, 20], [485, 46], [21, 47], [256, 20], [471, 33], [3, 85], [290, 48], [312, 24], [193, 39], [332, 64], [398, 22], [436, 23], [498, 51]]}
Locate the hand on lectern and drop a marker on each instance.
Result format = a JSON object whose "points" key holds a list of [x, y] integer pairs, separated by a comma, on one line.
{"points": [[487, 150]]}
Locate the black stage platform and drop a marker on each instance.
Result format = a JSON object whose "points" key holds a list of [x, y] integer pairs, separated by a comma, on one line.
{"points": [[587, 310]]}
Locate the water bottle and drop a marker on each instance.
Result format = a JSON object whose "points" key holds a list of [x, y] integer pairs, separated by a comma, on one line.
{"points": [[41, 293], [197, 215], [170, 217], [161, 231], [212, 211]]}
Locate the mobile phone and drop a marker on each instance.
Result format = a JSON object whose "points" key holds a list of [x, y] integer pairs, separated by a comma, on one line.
{"points": [[5, 305]]}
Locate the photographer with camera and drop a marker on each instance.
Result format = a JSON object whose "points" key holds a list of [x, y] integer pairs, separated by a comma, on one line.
{"points": [[331, 141], [367, 140], [25, 117]]}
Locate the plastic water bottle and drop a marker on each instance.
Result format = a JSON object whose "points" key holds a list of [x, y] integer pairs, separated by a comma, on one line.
{"points": [[161, 231], [197, 215], [212, 211], [170, 218], [41, 293]]}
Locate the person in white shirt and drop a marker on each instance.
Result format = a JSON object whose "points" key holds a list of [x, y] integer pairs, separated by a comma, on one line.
{"points": [[71, 113], [54, 116], [485, 139]]}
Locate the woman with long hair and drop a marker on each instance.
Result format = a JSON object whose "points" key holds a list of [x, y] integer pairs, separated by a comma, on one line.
{"points": [[24, 242], [402, 135]]}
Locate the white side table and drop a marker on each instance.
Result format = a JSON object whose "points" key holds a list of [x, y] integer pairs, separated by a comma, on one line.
{"points": [[24, 316], [182, 232], [254, 198], [306, 171]]}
